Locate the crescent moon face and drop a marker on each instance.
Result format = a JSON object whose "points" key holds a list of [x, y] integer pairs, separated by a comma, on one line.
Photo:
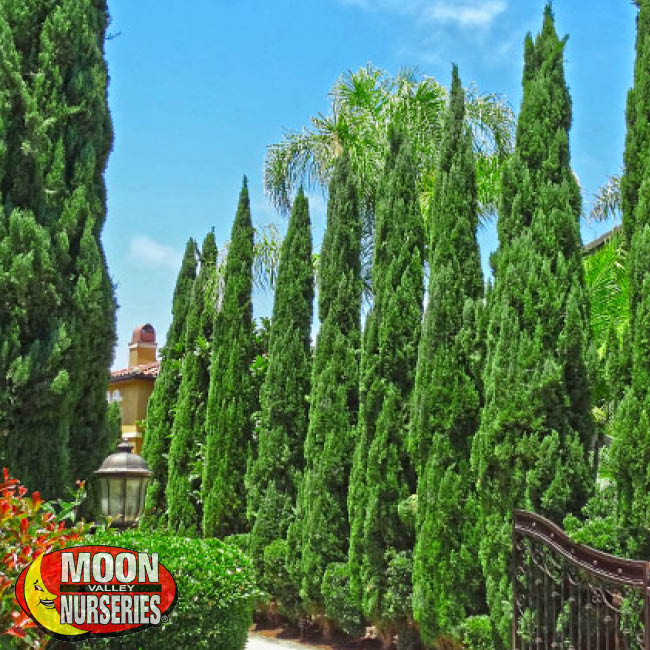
{"points": [[42, 603]]}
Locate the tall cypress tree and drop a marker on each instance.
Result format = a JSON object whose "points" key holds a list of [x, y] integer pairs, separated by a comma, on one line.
{"points": [[188, 430], [231, 401], [319, 533], [536, 424], [273, 476], [162, 402], [382, 474], [631, 447], [447, 394], [57, 313]]}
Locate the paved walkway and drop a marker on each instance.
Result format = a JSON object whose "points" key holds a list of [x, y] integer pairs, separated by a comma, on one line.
{"points": [[257, 642]]}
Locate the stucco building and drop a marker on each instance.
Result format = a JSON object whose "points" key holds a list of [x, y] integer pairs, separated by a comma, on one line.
{"points": [[132, 386]]}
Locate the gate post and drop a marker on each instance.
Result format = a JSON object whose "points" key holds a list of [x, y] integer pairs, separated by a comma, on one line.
{"points": [[646, 609], [514, 584]]}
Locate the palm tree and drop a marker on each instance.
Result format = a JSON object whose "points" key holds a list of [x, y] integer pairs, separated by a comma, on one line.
{"points": [[363, 104], [606, 277]]}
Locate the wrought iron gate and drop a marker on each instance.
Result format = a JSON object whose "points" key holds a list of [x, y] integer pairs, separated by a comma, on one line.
{"points": [[573, 597]]}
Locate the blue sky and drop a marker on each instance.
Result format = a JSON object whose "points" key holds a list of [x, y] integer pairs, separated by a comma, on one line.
{"points": [[199, 90]]}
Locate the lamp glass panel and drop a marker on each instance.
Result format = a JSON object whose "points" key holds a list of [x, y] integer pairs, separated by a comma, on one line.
{"points": [[103, 496], [116, 496], [143, 492], [133, 490]]}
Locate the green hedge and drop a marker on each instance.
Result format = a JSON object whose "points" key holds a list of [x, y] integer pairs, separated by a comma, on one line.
{"points": [[216, 589]]}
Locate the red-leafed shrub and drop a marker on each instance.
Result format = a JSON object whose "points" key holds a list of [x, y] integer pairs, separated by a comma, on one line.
{"points": [[29, 526]]}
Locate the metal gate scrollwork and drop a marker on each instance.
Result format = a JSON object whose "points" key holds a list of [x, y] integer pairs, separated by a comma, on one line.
{"points": [[571, 597]]}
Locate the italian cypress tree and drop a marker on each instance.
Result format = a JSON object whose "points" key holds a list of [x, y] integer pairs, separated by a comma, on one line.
{"points": [[57, 313], [114, 424], [382, 474], [536, 424], [231, 401], [637, 138], [162, 402], [273, 476], [188, 430], [447, 394], [630, 451], [319, 533]]}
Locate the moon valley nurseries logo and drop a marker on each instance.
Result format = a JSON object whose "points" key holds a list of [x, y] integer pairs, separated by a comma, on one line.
{"points": [[85, 591]]}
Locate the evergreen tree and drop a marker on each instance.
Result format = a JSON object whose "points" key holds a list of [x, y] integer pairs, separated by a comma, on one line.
{"points": [[319, 533], [637, 140], [231, 402], [162, 402], [273, 477], [382, 473], [631, 447], [447, 394], [57, 313], [536, 424], [113, 424], [188, 430]]}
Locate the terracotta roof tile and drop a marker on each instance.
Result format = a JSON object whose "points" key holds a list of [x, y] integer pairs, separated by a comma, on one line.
{"points": [[143, 371], [594, 245]]}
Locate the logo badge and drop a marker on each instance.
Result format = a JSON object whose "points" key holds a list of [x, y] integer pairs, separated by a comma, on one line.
{"points": [[83, 591]]}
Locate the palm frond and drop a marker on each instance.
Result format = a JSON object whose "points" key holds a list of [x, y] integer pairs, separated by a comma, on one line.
{"points": [[607, 200], [606, 279], [266, 259], [363, 105], [268, 245]]}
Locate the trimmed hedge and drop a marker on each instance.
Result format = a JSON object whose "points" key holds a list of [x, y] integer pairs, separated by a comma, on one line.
{"points": [[216, 589]]}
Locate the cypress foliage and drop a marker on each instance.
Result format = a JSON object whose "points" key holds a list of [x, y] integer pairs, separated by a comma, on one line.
{"points": [[231, 401], [57, 313], [113, 424], [162, 402], [188, 431], [530, 450], [382, 473], [637, 140], [630, 453], [273, 476], [319, 533], [447, 394]]}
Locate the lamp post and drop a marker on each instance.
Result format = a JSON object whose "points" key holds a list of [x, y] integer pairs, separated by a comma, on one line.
{"points": [[123, 479]]}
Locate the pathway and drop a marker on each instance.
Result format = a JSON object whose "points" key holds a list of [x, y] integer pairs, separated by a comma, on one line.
{"points": [[257, 642]]}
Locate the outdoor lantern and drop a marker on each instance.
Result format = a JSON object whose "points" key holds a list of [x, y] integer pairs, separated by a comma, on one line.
{"points": [[123, 479]]}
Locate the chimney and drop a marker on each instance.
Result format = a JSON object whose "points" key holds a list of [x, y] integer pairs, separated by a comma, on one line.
{"points": [[142, 348]]}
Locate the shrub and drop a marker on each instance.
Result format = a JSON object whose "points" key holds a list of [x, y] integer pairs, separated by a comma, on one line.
{"points": [[407, 511], [340, 606], [28, 527], [598, 527], [399, 590], [240, 541], [476, 633], [276, 581], [216, 589]]}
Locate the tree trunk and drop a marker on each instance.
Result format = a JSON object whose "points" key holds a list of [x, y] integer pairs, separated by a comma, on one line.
{"points": [[386, 637], [327, 629], [273, 615]]}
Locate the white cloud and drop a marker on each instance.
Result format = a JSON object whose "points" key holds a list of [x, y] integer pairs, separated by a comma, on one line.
{"points": [[464, 13], [151, 253]]}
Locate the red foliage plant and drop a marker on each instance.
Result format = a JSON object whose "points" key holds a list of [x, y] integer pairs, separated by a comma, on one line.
{"points": [[28, 527]]}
